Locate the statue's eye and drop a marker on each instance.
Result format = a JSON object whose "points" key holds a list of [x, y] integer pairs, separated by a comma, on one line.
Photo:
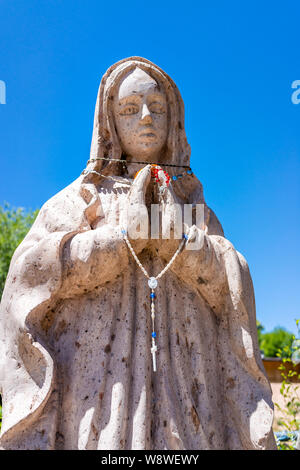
{"points": [[129, 109], [157, 108]]}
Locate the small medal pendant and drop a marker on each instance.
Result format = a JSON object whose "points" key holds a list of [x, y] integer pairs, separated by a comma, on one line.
{"points": [[152, 283]]}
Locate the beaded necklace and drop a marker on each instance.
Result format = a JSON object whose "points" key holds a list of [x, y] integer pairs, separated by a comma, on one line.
{"points": [[124, 162], [162, 185], [155, 169], [152, 283]]}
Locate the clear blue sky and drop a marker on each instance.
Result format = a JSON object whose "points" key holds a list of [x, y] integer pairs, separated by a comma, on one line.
{"points": [[234, 63]]}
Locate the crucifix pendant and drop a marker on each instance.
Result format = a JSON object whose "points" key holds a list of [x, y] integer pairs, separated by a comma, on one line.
{"points": [[153, 284], [153, 352]]}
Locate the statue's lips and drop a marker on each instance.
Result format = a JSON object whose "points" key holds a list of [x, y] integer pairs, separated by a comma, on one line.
{"points": [[148, 135]]}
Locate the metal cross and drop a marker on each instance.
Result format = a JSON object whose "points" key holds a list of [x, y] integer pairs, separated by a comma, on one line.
{"points": [[153, 352]]}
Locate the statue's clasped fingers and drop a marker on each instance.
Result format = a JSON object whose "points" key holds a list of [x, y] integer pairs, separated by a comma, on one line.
{"points": [[139, 186], [135, 218]]}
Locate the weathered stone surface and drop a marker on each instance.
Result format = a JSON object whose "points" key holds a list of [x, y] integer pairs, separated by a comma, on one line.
{"points": [[76, 369]]}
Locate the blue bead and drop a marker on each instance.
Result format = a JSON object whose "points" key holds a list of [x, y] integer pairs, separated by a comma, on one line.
{"points": [[189, 172], [123, 231], [153, 334], [152, 295], [184, 235], [174, 178]]}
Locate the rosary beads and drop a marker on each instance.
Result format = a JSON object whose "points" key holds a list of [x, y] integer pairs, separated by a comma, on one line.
{"points": [[124, 162], [152, 283], [163, 181], [155, 169], [188, 170]]}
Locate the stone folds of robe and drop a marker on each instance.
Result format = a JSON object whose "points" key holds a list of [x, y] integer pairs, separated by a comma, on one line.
{"points": [[76, 370]]}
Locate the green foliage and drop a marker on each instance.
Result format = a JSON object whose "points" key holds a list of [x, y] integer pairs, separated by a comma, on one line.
{"points": [[290, 411], [270, 343], [277, 339], [14, 225]]}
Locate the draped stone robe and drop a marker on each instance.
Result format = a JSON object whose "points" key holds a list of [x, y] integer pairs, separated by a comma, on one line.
{"points": [[76, 367]]}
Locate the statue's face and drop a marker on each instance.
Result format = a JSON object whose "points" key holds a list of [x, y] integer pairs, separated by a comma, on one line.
{"points": [[140, 111]]}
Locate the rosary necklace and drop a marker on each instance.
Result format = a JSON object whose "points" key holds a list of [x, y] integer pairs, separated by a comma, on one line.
{"points": [[163, 183], [152, 283], [187, 171], [124, 162], [155, 169]]}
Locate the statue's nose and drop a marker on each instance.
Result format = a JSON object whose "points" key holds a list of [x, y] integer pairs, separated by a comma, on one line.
{"points": [[146, 115]]}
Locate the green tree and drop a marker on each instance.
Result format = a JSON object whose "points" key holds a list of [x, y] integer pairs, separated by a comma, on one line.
{"points": [[14, 225], [278, 339]]}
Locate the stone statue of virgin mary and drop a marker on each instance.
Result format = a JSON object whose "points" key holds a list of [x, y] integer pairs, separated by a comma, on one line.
{"points": [[76, 345]]}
